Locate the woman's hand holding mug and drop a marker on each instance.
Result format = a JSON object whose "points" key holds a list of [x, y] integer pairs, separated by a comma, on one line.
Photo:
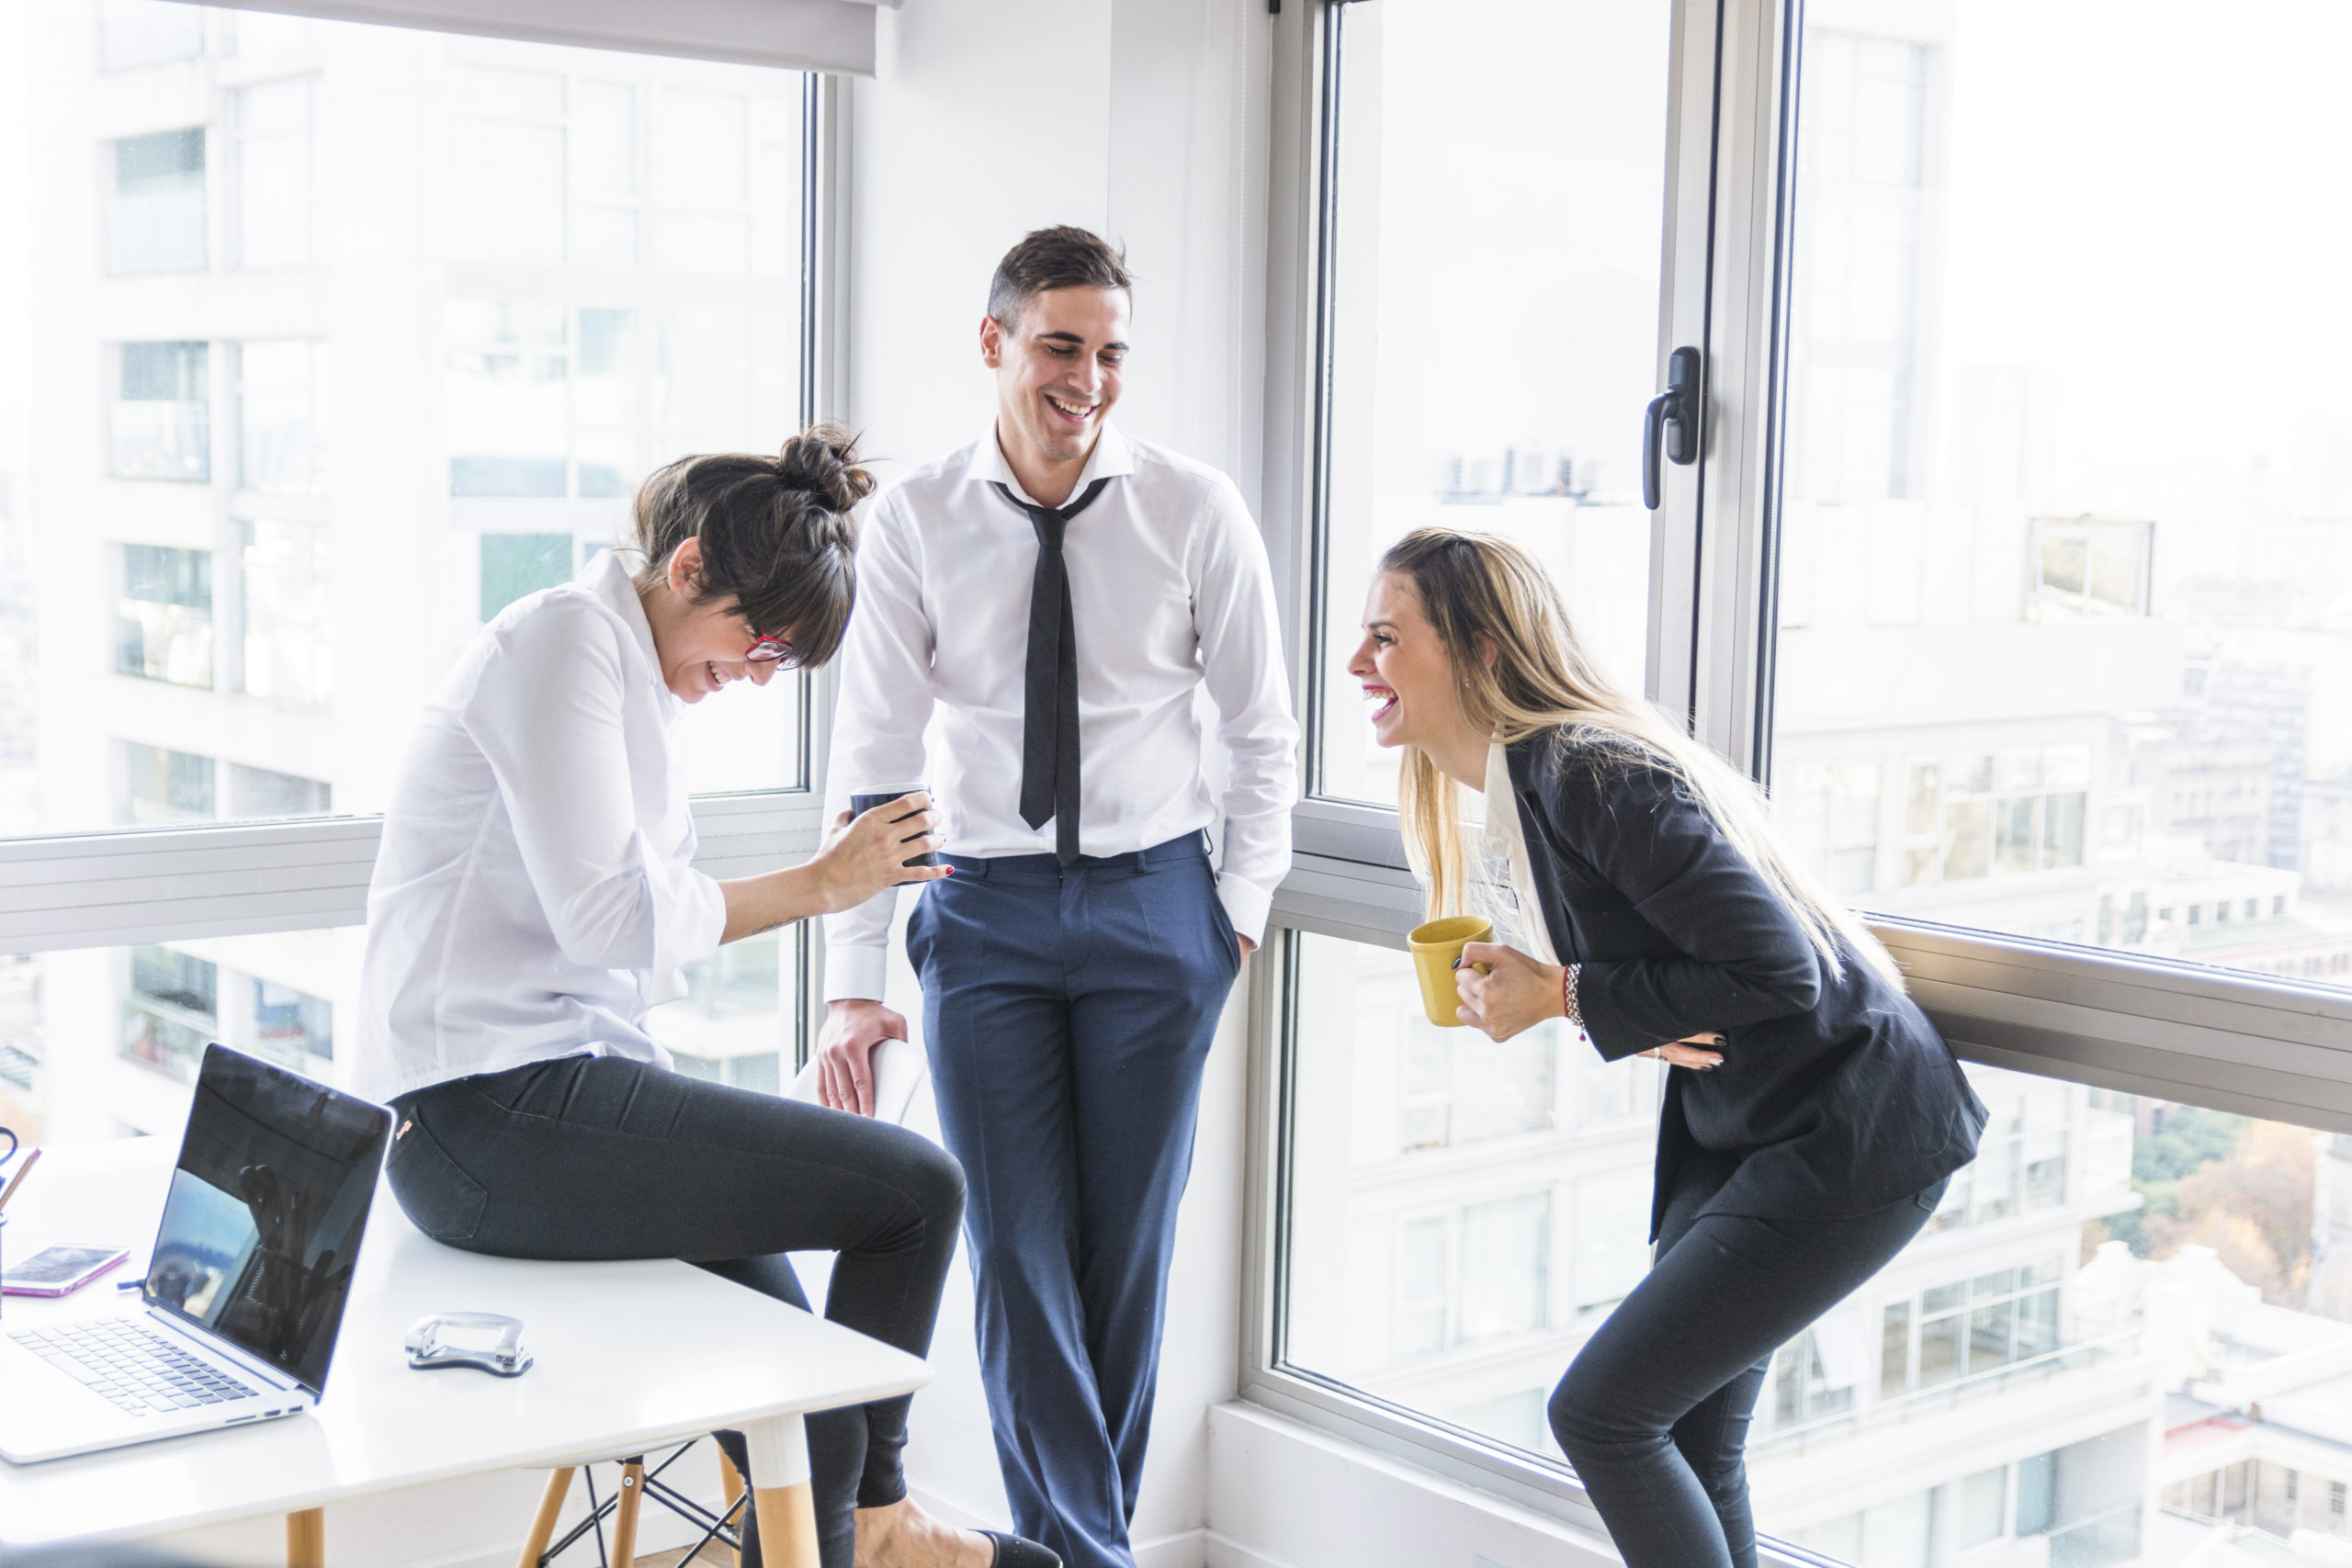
{"points": [[1504, 992], [862, 856]]}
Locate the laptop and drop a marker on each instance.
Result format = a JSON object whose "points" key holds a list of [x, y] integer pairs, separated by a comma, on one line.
{"points": [[236, 1320]]}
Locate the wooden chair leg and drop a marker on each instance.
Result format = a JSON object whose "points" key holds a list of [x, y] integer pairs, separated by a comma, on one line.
{"points": [[543, 1525], [778, 1449], [625, 1515], [305, 1538], [787, 1525], [731, 1484]]}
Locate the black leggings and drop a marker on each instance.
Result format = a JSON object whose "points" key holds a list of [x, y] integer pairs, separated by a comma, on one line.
{"points": [[598, 1157], [1654, 1410]]}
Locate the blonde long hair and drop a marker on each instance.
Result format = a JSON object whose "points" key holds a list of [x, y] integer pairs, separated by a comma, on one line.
{"points": [[1482, 592]]}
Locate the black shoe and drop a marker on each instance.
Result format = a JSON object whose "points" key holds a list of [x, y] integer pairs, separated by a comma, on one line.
{"points": [[1011, 1551]]}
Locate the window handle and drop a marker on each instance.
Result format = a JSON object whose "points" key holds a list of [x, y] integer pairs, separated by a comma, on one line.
{"points": [[1671, 424]]}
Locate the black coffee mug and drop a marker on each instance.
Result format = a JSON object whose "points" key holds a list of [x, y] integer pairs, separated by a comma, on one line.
{"points": [[859, 805]]}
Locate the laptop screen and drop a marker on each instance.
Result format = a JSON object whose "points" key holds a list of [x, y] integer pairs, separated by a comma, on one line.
{"points": [[261, 1227]]}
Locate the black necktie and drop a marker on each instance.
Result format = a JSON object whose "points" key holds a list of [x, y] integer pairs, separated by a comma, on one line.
{"points": [[1049, 719]]}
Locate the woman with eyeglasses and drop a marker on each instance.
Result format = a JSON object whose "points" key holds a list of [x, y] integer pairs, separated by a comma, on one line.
{"points": [[1812, 1115], [534, 897]]}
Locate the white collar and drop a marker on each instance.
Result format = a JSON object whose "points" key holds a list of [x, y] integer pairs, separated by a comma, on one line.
{"points": [[609, 578], [1111, 459], [1499, 831]]}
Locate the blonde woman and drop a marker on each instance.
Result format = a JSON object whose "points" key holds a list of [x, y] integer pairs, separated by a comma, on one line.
{"points": [[1812, 1113]]}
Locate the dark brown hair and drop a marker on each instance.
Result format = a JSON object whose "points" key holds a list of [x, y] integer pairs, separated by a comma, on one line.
{"points": [[776, 534], [1060, 258]]}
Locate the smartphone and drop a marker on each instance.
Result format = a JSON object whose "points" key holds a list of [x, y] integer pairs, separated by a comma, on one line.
{"points": [[60, 1270]]}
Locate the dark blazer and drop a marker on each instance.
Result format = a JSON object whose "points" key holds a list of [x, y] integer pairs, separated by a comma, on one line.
{"points": [[1835, 1093]]}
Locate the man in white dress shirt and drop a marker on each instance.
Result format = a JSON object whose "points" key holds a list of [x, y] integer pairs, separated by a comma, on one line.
{"points": [[1056, 594]]}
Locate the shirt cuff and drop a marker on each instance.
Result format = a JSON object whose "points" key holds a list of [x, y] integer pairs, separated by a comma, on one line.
{"points": [[855, 974], [1248, 906]]}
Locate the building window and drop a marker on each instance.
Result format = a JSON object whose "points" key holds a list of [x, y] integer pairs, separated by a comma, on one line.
{"points": [[2336, 1499], [136, 33], [161, 787], [155, 221], [2004, 813], [2294, 1487], [2092, 568], [514, 565], [274, 196], [509, 399], [171, 1010], [159, 425], [728, 1026], [281, 418], [292, 1028], [258, 792], [288, 613], [1985, 1506], [163, 617], [1829, 812]]}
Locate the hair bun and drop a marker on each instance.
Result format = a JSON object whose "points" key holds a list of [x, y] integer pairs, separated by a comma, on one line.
{"points": [[823, 461]]}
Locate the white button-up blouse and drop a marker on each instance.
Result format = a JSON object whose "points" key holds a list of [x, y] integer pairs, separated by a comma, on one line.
{"points": [[534, 894]]}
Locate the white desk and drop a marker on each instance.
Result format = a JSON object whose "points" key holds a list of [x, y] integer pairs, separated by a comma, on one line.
{"points": [[631, 1356]]}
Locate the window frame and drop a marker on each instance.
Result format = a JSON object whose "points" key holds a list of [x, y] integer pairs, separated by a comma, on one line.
{"points": [[130, 885], [2266, 1046]]}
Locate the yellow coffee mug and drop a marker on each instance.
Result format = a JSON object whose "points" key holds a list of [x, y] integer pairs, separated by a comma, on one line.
{"points": [[1435, 947]]}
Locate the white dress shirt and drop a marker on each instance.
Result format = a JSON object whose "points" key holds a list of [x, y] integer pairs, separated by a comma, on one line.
{"points": [[534, 894], [1170, 594]]}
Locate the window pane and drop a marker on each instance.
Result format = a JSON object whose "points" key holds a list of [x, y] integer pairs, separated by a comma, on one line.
{"points": [[1501, 167], [1453, 1240], [104, 1043], [135, 33], [2017, 525], [2043, 1365], [156, 215], [254, 518], [159, 424]]}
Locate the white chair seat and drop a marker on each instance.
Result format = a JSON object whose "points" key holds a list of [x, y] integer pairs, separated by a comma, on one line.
{"points": [[900, 1069]]}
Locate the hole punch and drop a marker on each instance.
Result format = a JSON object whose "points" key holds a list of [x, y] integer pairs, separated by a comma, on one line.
{"points": [[427, 1350]]}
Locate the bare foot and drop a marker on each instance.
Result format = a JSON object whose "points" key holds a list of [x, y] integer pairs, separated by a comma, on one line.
{"points": [[903, 1535]]}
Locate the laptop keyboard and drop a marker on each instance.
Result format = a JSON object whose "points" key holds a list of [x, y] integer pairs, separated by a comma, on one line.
{"points": [[130, 1363]]}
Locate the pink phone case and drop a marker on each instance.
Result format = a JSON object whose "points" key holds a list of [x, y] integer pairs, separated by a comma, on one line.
{"points": [[68, 1287]]}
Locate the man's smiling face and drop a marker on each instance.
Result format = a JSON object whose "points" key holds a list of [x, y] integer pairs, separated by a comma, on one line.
{"points": [[1058, 369]]}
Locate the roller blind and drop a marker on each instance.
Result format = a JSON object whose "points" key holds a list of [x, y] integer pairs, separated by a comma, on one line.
{"points": [[800, 34]]}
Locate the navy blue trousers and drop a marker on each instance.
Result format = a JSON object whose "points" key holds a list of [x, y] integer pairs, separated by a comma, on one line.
{"points": [[1070, 1013]]}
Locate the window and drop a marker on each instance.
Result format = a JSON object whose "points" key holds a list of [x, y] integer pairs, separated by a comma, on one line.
{"points": [[2075, 644], [289, 614], [156, 220], [514, 565], [367, 450], [160, 786], [258, 792], [274, 193], [160, 422], [163, 618], [281, 421], [1435, 1188], [133, 34], [2029, 670], [1494, 163], [737, 1023]]}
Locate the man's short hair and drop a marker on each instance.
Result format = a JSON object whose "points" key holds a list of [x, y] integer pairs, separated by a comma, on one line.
{"points": [[1061, 257]]}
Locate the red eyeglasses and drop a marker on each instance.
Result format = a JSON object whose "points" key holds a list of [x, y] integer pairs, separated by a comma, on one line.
{"points": [[772, 650]]}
